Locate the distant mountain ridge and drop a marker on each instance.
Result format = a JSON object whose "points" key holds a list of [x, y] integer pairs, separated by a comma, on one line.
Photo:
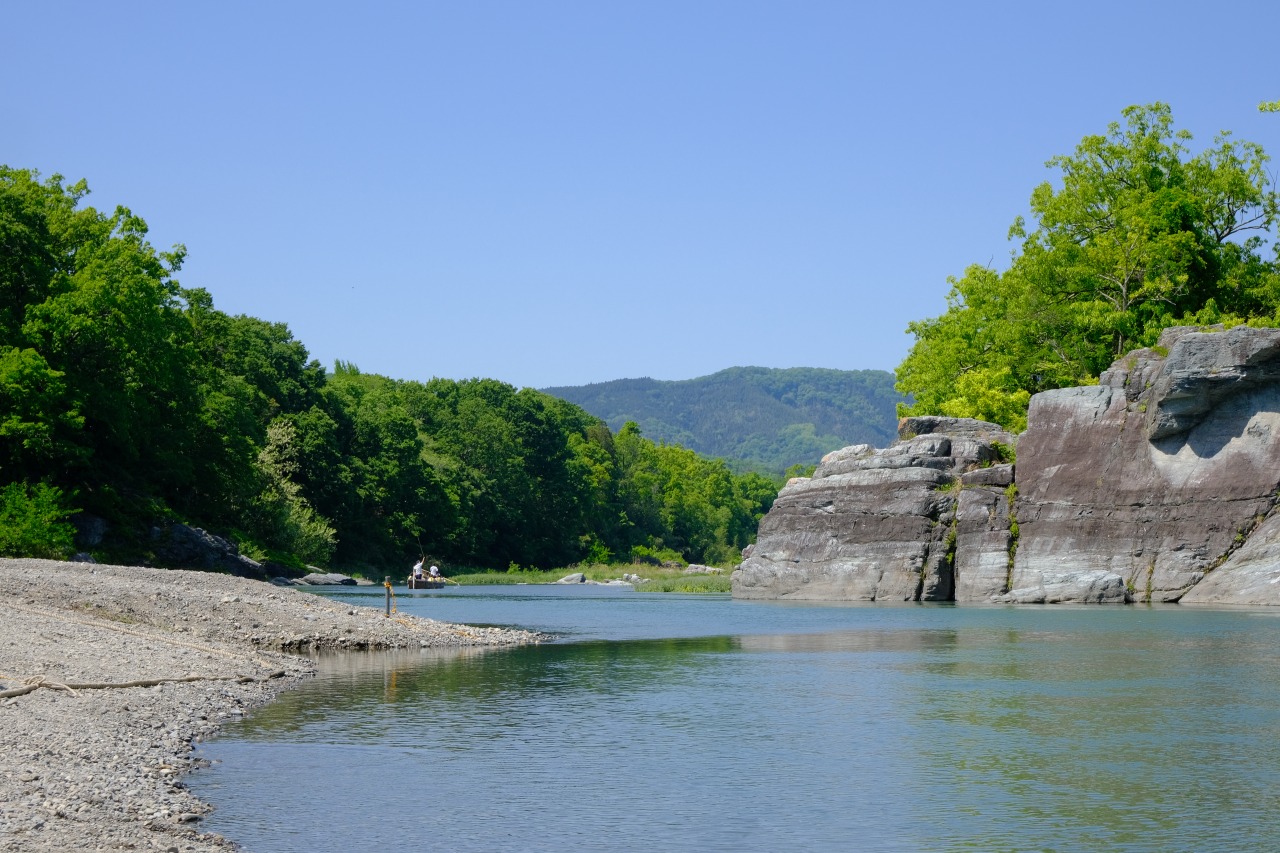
{"points": [[757, 418]]}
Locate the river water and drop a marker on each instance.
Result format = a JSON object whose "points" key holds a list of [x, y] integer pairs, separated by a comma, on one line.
{"points": [[699, 723]]}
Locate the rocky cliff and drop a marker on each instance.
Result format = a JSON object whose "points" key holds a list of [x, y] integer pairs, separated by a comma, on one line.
{"points": [[1157, 484], [885, 524]]}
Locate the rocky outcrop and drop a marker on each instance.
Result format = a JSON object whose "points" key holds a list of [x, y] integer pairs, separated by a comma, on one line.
{"points": [[180, 546], [1157, 484], [1251, 575], [984, 533], [877, 525], [326, 579], [1160, 472]]}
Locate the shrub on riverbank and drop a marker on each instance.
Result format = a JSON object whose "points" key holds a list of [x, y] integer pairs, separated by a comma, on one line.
{"points": [[33, 522]]}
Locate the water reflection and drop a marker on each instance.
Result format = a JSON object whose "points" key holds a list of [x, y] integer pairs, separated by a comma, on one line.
{"points": [[852, 641], [1132, 740], [917, 729], [411, 687]]}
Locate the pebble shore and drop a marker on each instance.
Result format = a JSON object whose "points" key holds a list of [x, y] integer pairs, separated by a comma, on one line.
{"points": [[89, 765]]}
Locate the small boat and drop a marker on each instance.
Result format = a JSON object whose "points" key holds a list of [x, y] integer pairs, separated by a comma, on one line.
{"points": [[424, 582]]}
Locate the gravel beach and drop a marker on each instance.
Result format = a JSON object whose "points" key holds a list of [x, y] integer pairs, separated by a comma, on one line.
{"points": [[87, 764]]}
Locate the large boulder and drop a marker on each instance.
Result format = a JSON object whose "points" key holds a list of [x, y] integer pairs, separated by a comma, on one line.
{"points": [[1158, 473], [180, 546], [90, 529], [326, 579], [874, 525]]}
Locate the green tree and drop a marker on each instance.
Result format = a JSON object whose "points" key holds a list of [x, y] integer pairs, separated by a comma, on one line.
{"points": [[94, 313], [276, 366], [33, 522], [977, 359], [381, 492], [674, 500], [1140, 235], [280, 517], [36, 418], [248, 373], [147, 403], [1136, 235]]}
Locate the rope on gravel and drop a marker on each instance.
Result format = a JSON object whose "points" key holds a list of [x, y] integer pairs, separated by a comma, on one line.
{"points": [[122, 630], [30, 685], [442, 626]]}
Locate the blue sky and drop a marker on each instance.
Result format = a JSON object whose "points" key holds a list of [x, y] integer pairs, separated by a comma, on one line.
{"points": [[557, 193]]}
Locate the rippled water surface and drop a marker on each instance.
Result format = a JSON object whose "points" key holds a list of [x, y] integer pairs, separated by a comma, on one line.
{"points": [[666, 722]]}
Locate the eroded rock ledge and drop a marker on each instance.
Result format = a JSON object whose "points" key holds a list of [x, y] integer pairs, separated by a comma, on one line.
{"points": [[885, 524], [1158, 484]]}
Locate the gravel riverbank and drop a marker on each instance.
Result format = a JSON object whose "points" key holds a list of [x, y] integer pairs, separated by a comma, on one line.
{"points": [[99, 766]]}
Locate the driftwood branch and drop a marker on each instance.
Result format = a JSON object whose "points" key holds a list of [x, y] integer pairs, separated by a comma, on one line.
{"points": [[30, 685]]}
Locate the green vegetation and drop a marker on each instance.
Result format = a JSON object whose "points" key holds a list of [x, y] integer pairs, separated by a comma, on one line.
{"points": [[686, 583], [1005, 454], [656, 578], [1139, 235], [33, 522], [755, 418], [154, 406], [518, 574]]}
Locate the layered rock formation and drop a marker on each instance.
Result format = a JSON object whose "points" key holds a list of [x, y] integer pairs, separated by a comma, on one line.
{"points": [[885, 524], [1157, 474], [1158, 484]]}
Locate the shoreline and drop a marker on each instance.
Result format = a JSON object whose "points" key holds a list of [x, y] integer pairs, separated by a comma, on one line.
{"points": [[88, 764]]}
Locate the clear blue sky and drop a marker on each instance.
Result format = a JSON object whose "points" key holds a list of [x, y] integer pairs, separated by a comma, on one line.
{"points": [[557, 193]]}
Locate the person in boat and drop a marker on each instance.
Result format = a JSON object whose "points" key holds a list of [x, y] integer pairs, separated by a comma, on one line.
{"points": [[435, 572], [417, 571]]}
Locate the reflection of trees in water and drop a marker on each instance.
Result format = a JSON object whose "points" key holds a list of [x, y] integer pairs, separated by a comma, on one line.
{"points": [[1127, 736], [1045, 729], [366, 692]]}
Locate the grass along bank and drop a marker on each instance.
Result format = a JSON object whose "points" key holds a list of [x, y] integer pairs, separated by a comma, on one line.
{"points": [[656, 578]]}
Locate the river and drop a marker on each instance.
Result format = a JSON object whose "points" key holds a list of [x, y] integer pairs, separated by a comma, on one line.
{"points": [[699, 723]]}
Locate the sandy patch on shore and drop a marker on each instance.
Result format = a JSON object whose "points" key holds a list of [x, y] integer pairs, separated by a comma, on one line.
{"points": [[101, 768]]}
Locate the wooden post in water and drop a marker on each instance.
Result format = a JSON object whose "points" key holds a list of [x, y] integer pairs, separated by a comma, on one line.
{"points": [[386, 582]]}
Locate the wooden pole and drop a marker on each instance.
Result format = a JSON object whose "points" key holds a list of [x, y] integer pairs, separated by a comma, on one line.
{"points": [[386, 582]]}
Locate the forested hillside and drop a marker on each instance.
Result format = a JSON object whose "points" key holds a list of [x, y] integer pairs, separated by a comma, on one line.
{"points": [[755, 417], [129, 399]]}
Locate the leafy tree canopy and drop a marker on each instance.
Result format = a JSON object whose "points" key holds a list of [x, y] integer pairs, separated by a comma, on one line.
{"points": [[140, 402], [1139, 234]]}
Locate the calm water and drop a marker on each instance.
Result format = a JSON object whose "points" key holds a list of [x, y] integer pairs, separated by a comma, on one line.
{"points": [[700, 723]]}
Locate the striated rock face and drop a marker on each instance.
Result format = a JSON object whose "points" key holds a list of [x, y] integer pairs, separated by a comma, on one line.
{"points": [[1157, 474], [1251, 575], [983, 537], [874, 525], [1157, 484]]}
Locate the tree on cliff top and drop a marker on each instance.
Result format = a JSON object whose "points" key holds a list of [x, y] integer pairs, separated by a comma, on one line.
{"points": [[1139, 235]]}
